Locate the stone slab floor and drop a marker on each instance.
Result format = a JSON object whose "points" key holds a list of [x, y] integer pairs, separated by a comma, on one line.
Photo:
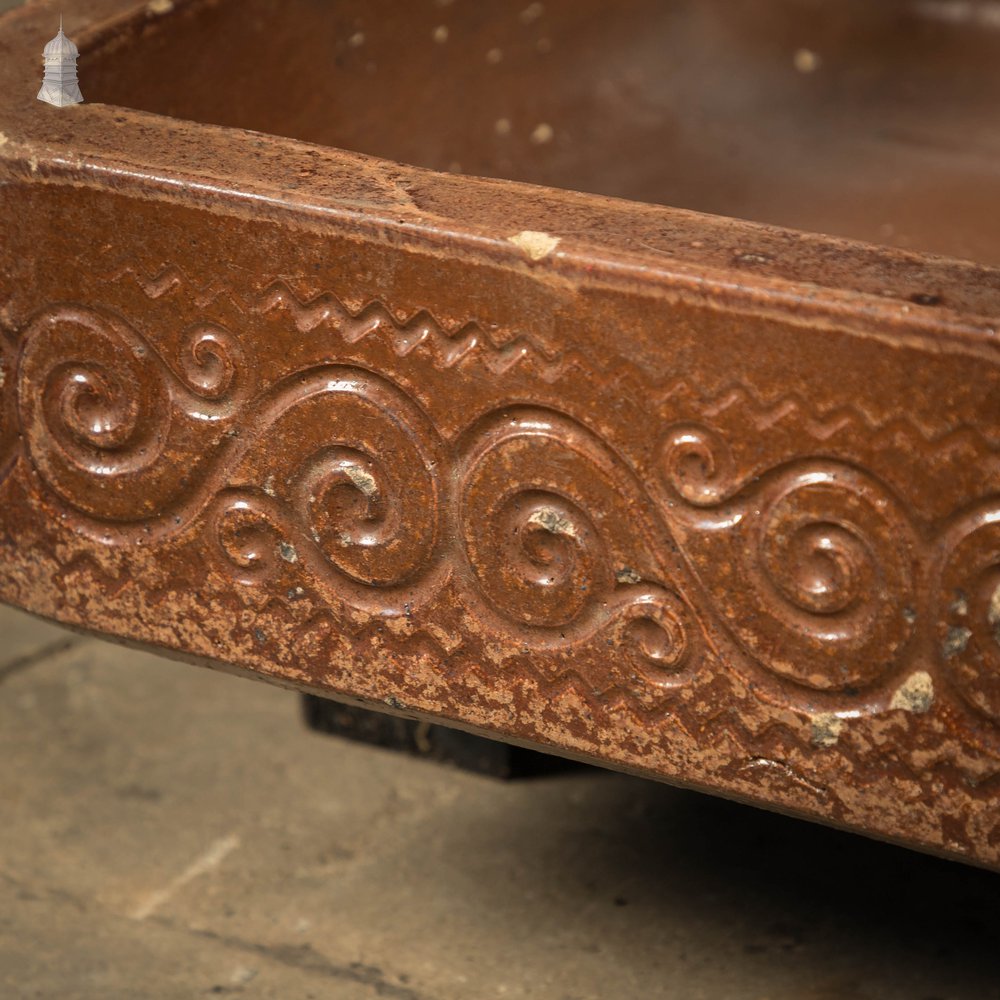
{"points": [[167, 831]]}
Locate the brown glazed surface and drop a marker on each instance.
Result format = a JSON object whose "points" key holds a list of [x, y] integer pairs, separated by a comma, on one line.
{"points": [[693, 497]]}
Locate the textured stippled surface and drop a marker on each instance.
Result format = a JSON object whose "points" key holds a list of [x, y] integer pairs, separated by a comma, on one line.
{"points": [[169, 832], [691, 497]]}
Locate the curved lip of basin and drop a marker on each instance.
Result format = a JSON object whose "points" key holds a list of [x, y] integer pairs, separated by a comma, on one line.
{"points": [[651, 250]]}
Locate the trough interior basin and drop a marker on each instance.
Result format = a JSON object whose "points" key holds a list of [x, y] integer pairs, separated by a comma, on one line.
{"points": [[877, 121]]}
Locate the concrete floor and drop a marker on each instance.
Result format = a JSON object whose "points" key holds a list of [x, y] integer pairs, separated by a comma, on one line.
{"points": [[172, 832]]}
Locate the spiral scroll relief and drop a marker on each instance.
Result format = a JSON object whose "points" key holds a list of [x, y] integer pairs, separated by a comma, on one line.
{"points": [[968, 636], [106, 419], [362, 510], [819, 559], [336, 476], [549, 517]]}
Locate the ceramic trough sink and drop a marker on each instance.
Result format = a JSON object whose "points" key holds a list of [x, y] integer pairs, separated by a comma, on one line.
{"points": [[451, 358]]}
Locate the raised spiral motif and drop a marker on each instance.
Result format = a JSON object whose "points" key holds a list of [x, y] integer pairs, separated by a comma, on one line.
{"points": [[104, 414], [698, 464], [368, 531], [250, 542], [549, 516], [542, 522], [822, 568], [350, 501], [967, 616], [334, 477], [658, 637], [209, 365], [547, 556], [817, 548], [97, 425]]}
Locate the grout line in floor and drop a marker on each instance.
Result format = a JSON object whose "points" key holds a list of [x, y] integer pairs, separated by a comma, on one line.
{"points": [[29, 660]]}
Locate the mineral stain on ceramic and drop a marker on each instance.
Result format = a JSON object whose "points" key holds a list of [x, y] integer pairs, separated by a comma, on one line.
{"points": [[826, 729], [915, 694]]}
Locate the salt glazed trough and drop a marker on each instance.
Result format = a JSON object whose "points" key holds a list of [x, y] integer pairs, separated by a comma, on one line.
{"points": [[349, 345]]}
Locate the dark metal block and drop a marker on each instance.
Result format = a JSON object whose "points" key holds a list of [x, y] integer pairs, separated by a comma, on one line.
{"points": [[466, 751]]}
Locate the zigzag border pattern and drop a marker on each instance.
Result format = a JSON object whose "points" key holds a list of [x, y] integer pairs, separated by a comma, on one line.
{"points": [[453, 348]]}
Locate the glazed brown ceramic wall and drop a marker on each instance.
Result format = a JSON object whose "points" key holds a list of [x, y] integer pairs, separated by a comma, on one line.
{"points": [[883, 133], [700, 499]]}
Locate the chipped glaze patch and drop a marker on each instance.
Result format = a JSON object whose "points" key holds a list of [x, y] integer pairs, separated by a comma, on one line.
{"points": [[533, 244], [915, 694]]}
